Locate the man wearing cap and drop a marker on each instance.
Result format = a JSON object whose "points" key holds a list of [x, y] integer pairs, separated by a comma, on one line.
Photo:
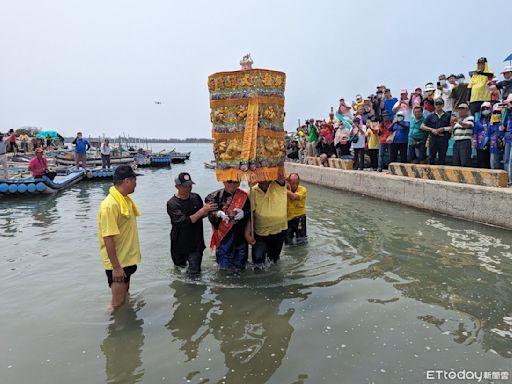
{"points": [[118, 234], [186, 211], [478, 85], [38, 165], [438, 124], [444, 91], [228, 225], [3, 155], [462, 130], [505, 85], [428, 99], [460, 91]]}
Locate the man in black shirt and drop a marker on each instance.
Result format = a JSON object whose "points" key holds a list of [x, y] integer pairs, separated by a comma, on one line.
{"points": [[186, 211], [228, 225], [438, 124]]}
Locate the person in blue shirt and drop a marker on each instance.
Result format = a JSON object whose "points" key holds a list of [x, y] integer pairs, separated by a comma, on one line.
{"points": [[388, 102], [81, 148], [507, 127], [399, 143], [481, 131], [496, 134]]}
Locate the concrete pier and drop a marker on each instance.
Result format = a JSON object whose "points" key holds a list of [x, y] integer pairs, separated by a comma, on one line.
{"points": [[488, 205]]}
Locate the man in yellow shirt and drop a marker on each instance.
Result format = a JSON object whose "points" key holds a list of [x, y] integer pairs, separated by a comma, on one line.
{"points": [[118, 234], [296, 212], [270, 221]]}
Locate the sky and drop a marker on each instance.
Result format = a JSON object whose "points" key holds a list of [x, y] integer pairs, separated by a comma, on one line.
{"points": [[99, 66]]}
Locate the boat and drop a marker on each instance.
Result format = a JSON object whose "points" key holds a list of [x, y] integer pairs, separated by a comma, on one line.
{"points": [[31, 185], [69, 159], [210, 165]]}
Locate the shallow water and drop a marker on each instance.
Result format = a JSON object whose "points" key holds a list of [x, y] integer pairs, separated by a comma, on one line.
{"points": [[381, 294]]}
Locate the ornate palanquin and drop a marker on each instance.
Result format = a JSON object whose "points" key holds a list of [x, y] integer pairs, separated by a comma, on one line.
{"points": [[247, 113]]}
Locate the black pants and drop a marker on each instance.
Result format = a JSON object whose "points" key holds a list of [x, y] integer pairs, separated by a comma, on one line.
{"points": [[483, 158], [359, 158], [193, 259], [438, 147], [374, 158], [105, 161], [297, 229], [269, 246], [398, 148], [462, 153]]}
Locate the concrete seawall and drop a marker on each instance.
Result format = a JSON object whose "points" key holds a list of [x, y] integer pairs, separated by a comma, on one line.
{"points": [[487, 205]]}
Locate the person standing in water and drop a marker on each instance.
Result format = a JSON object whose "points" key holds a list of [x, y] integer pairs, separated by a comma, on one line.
{"points": [[186, 211], [118, 234]]}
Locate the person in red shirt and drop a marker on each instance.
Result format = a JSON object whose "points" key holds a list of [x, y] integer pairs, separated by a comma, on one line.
{"points": [[39, 166], [12, 141]]}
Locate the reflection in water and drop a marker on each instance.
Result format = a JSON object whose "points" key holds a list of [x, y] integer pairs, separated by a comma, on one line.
{"points": [[40, 209], [252, 333], [123, 345], [189, 316]]}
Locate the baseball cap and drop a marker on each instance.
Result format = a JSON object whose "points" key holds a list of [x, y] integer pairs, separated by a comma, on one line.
{"points": [[123, 172], [463, 105], [183, 179], [439, 100], [39, 150], [461, 76], [452, 75], [403, 91], [496, 107]]}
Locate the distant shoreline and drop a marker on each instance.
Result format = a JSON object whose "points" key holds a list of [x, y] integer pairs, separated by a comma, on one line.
{"points": [[138, 140]]}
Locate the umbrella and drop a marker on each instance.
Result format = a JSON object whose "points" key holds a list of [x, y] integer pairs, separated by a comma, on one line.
{"points": [[509, 58], [44, 135]]}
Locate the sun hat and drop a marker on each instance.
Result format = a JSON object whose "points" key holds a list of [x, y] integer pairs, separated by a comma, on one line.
{"points": [[508, 68]]}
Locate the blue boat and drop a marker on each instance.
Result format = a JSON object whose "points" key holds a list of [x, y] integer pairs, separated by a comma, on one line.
{"points": [[31, 185]]}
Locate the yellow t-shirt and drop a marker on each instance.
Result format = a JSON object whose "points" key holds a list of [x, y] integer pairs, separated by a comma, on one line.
{"points": [[270, 209], [373, 139], [297, 208], [124, 230]]}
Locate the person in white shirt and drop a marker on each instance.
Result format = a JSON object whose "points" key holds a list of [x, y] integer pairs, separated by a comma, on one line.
{"points": [[462, 131], [444, 91], [105, 154]]}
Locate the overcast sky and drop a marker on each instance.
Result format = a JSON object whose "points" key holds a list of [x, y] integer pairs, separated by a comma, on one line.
{"points": [[99, 66]]}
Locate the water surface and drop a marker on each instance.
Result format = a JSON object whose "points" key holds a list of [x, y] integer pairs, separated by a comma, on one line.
{"points": [[381, 294]]}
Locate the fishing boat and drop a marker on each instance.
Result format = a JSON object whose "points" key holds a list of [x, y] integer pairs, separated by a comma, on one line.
{"points": [[69, 159], [210, 164], [31, 185]]}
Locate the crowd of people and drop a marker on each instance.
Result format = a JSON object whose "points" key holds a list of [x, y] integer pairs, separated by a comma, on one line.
{"points": [[473, 118], [278, 217], [25, 143]]}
